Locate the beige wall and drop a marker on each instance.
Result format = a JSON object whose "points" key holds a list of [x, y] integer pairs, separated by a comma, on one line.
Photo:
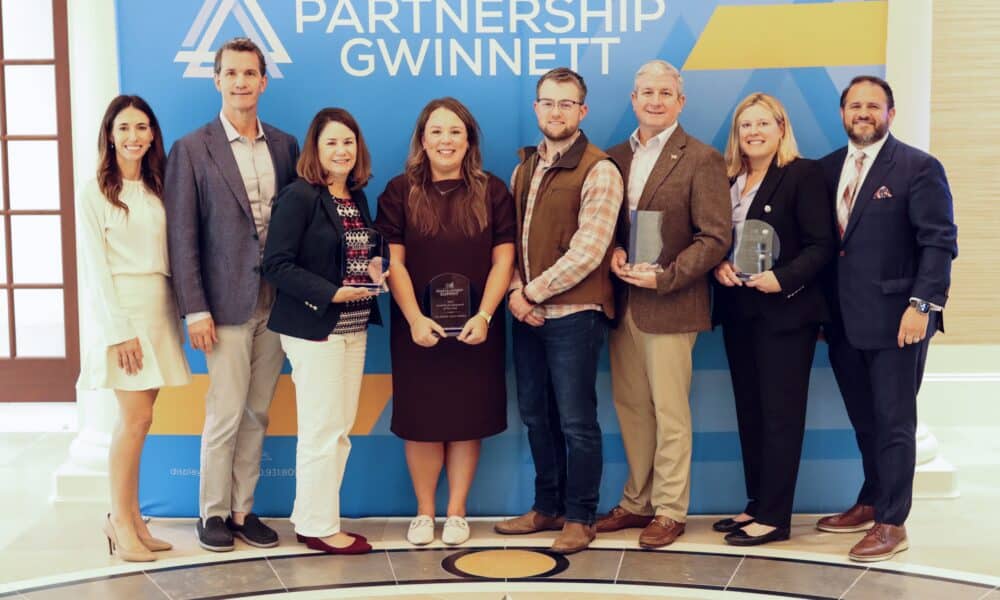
{"points": [[965, 136]]}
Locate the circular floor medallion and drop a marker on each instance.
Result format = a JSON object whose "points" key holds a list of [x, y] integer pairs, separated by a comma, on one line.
{"points": [[504, 564]]}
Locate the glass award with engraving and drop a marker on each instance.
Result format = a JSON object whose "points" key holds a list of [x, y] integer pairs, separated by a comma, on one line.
{"points": [[757, 250], [645, 241], [448, 301], [365, 256]]}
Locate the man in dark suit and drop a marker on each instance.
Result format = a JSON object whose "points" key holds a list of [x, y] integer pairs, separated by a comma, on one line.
{"points": [[220, 182], [668, 171], [886, 289]]}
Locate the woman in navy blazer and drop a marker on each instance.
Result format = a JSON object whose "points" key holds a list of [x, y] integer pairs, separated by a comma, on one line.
{"points": [[322, 318], [770, 322]]}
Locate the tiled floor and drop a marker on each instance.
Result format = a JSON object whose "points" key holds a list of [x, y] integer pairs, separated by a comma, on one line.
{"points": [[58, 552], [604, 571]]}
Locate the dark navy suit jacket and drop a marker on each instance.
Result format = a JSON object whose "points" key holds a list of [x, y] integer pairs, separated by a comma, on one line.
{"points": [[303, 259], [899, 243]]}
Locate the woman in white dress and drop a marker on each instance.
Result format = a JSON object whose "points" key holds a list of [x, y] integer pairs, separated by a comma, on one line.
{"points": [[125, 272]]}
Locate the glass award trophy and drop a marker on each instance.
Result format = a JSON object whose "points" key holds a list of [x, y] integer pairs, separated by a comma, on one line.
{"points": [[365, 256], [448, 301], [645, 241], [758, 248]]}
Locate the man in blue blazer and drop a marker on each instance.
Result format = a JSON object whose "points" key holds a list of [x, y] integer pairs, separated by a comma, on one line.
{"points": [[886, 288], [220, 182]]}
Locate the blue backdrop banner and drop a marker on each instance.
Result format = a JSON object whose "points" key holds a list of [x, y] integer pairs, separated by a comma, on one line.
{"points": [[383, 60]]}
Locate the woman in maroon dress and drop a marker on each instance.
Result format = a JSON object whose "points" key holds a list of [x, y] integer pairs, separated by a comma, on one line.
{"points": [[446, 215]]}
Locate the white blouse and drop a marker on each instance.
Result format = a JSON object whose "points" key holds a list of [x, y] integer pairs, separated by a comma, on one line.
{"points": [[112, 242]]}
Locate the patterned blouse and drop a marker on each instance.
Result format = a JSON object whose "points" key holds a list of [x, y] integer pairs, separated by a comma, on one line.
{"points": [[354, 316]]}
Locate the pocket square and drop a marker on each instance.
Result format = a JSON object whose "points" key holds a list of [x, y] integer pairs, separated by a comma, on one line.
{"points": [[882, 193]]}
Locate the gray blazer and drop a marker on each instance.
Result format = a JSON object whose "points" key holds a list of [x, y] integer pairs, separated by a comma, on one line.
{"points": [[214, 251]]}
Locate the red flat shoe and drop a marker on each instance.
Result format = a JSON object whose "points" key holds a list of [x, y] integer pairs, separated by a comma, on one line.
{"points": [[302, 538], [356, 547]]}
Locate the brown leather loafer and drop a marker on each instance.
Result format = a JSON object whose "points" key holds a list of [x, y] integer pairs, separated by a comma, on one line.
{"points": [[882, 542], [573, 538], [859, 517], [619, 519], [529, 522], [661, 531]]}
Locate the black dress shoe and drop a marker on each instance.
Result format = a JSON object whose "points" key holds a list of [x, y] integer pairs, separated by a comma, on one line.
{"points": [[213, 535], [742, 538], [727, 525], [253, 532]]}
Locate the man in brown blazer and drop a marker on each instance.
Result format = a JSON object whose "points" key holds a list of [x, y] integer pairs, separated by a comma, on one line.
{"points": [[665, 170]]}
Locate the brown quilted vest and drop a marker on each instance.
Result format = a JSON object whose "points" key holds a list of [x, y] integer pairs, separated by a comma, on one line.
{"points": [[554, 220]]}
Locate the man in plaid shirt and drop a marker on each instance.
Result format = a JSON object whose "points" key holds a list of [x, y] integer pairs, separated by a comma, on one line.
{"points": [[567, 194]]}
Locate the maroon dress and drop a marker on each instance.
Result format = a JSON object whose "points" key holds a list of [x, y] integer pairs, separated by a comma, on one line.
{"points": [[452, 391]]}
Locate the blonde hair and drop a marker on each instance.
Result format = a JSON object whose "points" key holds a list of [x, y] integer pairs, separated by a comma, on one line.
{"points": [[787, 151]]}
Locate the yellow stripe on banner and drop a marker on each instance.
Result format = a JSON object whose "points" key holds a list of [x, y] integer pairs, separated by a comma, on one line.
{"points": [[792, 35], [181, 410]]}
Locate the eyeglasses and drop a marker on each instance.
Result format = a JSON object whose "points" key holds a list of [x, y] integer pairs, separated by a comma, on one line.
{"points": [[548, 104]]}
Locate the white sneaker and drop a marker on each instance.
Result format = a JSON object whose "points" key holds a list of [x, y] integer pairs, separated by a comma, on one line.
{"points": [[456, 531], [421, 530]]}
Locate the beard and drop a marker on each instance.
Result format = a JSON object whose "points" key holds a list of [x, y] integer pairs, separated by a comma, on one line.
{"points": [[563, 132], [877, 132]]}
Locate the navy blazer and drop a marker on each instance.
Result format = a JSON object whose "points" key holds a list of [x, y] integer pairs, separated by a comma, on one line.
{"points": [[212, 238], [793, 200], [899, 243], [303, 258]]}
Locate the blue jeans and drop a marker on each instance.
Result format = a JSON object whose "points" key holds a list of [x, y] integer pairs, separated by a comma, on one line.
{"points": [[556, 369]]}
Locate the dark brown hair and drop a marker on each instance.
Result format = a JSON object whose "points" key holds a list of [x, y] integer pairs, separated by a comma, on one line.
{"points": [[109, 176], [470, 214], [240, 44], [563, 75], [309, 167], [882, 83]]}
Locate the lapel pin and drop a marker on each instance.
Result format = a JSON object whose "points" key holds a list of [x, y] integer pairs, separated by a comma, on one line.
{"points": [[673, 157], [767, 208]]}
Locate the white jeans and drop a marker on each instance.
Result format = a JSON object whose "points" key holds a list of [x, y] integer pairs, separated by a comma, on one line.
{"points": [[327, 376]]}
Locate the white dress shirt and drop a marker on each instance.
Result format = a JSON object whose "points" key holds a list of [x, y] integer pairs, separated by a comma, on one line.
{"points": [[644, 157]]}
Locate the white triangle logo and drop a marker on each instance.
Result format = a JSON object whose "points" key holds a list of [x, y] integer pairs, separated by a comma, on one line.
{"points": [[199, 44]]}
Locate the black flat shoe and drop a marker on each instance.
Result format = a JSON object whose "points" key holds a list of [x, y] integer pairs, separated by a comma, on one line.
{"points": [[727, 525], [742, 538]]}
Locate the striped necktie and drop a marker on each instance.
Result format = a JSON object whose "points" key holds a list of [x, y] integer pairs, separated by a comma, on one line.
{"points": [[846, 202]]}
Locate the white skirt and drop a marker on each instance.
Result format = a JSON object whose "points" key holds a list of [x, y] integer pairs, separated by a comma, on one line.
{"points": [[149, 303]]}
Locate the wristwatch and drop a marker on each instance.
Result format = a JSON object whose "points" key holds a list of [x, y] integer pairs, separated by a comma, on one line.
{"points": [[485, 315], [922, 306]]}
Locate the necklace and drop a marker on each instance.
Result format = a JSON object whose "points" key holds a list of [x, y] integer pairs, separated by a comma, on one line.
{"points": [[447, 191]]}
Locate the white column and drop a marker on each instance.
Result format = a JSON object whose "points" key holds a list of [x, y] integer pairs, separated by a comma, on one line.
{"points": [[93, 59], [908, 62]]}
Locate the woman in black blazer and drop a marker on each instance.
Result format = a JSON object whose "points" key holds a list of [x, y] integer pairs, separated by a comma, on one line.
{"points": [[770, 321], [321, 316]]}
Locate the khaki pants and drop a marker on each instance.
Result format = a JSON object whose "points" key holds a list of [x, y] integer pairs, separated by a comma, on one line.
{"points": [[243, 371], [651, 379]]}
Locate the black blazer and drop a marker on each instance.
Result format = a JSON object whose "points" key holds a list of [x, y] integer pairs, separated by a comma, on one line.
{"points": [[899, 243], [793, 199], [302, 260]]}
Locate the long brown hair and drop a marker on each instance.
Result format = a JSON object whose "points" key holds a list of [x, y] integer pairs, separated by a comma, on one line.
{"points": [[470, 214], [109, 177], [309, 167]]}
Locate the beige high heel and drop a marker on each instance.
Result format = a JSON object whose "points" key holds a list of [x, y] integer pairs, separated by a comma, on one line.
{"points": [[126, 555], [156, 544]]}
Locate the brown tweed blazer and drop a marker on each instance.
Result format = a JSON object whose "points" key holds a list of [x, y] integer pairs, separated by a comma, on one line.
{"points": [[688, 184]]}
